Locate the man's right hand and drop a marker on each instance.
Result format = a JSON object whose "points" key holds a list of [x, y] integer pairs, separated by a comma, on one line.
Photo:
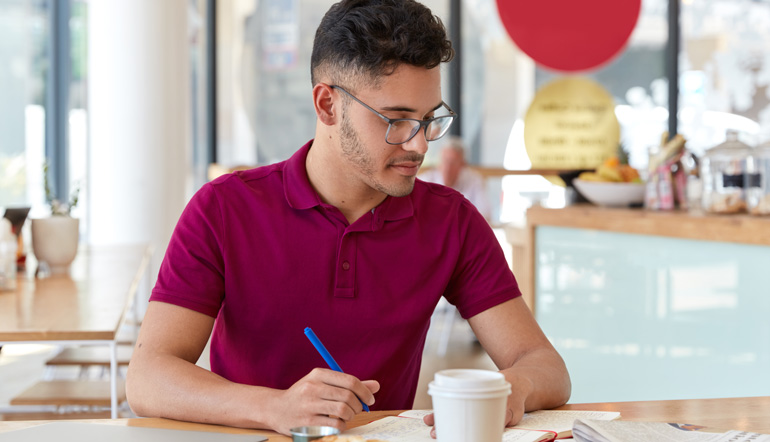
{"points": [[323, 397], [163, 381]]}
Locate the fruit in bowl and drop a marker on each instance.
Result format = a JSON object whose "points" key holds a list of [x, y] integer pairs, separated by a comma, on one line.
{"points": [[612, 184], [612, 171], [612, 194]]}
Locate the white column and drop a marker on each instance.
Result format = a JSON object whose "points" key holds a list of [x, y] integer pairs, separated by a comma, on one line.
{"points": [[139, 108]]}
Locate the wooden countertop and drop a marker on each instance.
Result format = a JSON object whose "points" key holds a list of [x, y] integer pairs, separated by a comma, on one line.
{"points": [[360, 419], [744, 229], [745, 414]]}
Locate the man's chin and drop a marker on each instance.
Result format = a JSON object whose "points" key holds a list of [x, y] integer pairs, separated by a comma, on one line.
{"points": [[403, 187], [400, 190]]}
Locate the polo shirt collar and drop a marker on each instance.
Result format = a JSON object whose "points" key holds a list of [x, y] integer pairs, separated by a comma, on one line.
{"points": [[301, 195], [296, 184], [394, 208]]}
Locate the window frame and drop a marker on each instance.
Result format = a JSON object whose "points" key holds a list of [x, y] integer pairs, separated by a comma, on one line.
{"points": [[57, 96]]}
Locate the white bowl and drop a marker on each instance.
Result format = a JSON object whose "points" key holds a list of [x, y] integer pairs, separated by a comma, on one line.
{"points": [[609, 193]]}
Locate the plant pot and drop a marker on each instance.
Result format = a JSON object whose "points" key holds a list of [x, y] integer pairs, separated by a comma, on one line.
{"points": [[55, 242]]}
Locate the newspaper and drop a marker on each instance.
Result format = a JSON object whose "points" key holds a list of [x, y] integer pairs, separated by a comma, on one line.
{"points": [[587, 430]]}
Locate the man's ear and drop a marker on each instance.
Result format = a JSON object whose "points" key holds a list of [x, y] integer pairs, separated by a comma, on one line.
{"points": [[323, 101]]}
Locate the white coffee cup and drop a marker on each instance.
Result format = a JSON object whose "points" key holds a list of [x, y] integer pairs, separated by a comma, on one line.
{"points": [[469, 405]]}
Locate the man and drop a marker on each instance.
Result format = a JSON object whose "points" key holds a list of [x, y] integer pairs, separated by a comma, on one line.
{"points": [[340, 238], [453, 171]]}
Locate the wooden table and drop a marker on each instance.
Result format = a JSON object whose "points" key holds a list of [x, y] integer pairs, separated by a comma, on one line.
{"points": [[747, 414], [85, 307]]}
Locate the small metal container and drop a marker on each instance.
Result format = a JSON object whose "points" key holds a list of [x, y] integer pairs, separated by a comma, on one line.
{"points": [[306, 434]]}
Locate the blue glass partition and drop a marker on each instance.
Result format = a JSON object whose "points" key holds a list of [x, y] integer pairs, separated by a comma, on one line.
{"points": [[639, 317]]}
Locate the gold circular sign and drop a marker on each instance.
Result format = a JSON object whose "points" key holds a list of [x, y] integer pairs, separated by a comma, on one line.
{"points": [[571, 124]]}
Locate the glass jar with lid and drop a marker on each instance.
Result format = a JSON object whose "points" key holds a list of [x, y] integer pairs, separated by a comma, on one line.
{"points": [[758, 183], [723, 171]]}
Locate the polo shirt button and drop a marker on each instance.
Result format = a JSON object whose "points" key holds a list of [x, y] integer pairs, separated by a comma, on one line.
{"points": [[345, 265]]}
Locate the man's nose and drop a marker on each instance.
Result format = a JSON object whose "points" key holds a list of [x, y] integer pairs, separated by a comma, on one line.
{"points": [[418, 143]]}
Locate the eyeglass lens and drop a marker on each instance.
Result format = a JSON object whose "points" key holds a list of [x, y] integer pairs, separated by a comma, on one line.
{"points": [[402, 131]]}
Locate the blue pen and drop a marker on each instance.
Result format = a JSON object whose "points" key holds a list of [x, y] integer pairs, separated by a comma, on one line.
{"points": [[327, 357]]}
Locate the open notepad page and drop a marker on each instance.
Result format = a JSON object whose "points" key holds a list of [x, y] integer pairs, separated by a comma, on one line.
{"points": [[534, 427], [80, 432]]}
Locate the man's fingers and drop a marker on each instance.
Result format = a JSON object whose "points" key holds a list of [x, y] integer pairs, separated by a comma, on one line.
{"points": [[341, 409], [363, 390], [513, 415], [373, 386], [430, 421], [343, 396]]}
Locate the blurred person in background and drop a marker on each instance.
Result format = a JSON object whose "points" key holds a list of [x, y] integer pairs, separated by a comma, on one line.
{"points": [[453, 171]]}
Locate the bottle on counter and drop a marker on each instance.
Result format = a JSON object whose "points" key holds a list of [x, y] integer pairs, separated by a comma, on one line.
{"points": [[690, 164], [723, 172], [758, 181], [8, 245]]}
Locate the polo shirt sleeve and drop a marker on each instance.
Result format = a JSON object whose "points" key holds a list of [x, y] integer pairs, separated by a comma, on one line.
{"points": [[192, 272], [482, 278]]}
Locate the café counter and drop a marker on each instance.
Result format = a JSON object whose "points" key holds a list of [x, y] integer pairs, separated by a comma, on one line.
{"points": [[652, 305]]}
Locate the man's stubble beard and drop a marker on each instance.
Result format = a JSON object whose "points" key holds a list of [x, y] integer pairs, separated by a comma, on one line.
{"points": [[355, 153]]}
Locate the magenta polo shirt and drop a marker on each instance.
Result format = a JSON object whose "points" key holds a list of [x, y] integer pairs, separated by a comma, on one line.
{"points": [[259, 251]]}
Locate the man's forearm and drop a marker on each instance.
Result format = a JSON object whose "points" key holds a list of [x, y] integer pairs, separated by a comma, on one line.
{"points": [[173, 388], [161, 385], [541, 378]]}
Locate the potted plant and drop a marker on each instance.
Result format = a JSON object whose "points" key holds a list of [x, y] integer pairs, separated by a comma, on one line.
{"points": [[55, 238]]}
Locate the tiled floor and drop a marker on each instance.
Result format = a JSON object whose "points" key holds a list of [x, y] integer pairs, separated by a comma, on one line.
{"points": [[21, 366]]}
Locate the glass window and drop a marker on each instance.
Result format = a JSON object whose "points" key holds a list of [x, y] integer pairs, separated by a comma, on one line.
{"points": [[636, 79], [199, 107], [264, 92], [77, 119], [724, 71], [265, 107], [24, 51], [265, 110], [25, 54]]}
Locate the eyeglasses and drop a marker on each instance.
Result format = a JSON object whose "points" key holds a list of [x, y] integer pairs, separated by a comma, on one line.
{"points": [[401, 130]]}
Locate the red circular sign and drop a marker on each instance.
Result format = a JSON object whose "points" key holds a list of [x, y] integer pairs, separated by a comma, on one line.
{"points": [[570, 35]]}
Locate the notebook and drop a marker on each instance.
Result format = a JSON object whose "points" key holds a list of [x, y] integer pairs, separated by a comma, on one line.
{"points": [[80, 432]]}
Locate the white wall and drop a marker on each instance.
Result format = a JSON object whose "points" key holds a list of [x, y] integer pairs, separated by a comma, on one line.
{"points": [[139, 107]]}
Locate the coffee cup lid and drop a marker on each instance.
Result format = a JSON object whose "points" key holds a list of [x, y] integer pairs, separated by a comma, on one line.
{"points": [[469, 384], [469, 378]]}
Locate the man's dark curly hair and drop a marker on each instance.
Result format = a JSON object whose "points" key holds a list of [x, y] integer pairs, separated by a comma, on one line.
{"points": [[368, 39]]}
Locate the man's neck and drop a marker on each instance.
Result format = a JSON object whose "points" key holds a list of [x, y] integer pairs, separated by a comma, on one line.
{"points": [[348, 194]]}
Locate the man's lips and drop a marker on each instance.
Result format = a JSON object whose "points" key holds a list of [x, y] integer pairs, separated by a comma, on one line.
{"points": [[409, 168]]}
